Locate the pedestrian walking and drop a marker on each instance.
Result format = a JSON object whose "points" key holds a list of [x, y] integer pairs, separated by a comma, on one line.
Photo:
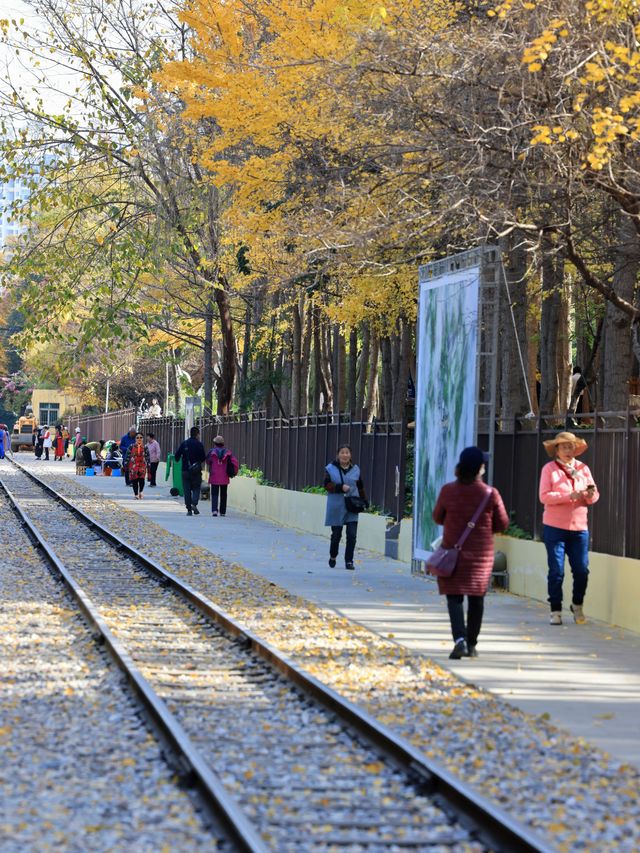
{"points": [[3, 441], [136, 463], [58, 445], [345, 499], [39, 441], [191, 454], [47, 442], [77, 442], [66, 437], [154, 456], [456, 509], [567, 489], [125, 443], [222, 466], [7, 440]]}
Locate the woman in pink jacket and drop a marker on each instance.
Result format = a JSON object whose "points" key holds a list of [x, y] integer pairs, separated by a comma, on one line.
{"points": [[566, 490], [221, 464]]}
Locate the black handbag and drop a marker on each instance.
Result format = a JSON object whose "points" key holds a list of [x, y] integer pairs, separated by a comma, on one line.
{"points": [[354, 503], [442, 563]]}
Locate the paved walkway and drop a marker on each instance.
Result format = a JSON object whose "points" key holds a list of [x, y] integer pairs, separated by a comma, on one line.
{"points": [[587, 678]]}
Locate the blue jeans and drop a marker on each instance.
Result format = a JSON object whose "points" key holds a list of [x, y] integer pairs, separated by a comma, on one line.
{"points": [[575, 545]]}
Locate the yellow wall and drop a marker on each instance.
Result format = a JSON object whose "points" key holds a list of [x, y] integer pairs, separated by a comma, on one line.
{"points": [[613, 594], [67, 402]]}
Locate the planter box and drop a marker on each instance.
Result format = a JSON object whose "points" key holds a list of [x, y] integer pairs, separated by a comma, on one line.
{"points": [[613, 594]]}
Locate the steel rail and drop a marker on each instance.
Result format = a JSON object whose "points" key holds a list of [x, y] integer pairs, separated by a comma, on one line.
{"points": [[222, 807], [493, 826]]}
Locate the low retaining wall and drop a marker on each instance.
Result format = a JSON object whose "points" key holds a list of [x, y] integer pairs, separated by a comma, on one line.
{"points": [[301, 510], [613, 595]]}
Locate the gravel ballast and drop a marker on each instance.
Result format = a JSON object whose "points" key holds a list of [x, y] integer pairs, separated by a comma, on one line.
{"points": [[570, 792], [79, 771]]}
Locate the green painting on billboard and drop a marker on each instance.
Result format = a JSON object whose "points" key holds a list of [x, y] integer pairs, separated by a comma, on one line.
{"points": [[446, 390]]}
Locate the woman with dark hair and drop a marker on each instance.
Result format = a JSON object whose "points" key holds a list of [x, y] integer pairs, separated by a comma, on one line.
{"points": [[136, 463], [455, 508], [58, 444], [342, 480]]}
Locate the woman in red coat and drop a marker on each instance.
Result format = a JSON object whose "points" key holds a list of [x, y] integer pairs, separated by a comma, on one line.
{"points": [[455, 507]]}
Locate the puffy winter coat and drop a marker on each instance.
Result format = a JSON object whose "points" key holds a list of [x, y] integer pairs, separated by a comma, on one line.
{"points": [[217, 463], [455, 507]]}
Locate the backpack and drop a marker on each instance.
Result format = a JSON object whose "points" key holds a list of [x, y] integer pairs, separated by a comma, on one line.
{"points": [[232, 467]]}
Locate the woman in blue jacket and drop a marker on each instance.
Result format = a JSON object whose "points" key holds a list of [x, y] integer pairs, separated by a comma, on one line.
{"points": [[342, 480]]}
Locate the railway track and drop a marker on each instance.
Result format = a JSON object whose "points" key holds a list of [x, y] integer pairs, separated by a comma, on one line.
{"points": [[280, 760]]}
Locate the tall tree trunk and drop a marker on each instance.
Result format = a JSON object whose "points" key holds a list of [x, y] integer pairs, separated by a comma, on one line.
{"points": [[175, 381], [564, 367], [352, 370], [386, 377], [513, 390], [372, 386], [321, 365], [404, 366], [285, 374], [336, 364], [363, 367], [551, 316], [617, 348], [296, 357], [340, 361], [207, 407], [246, 356], [306, 358], [227, 371]]}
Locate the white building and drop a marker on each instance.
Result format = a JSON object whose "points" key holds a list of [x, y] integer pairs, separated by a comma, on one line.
{"points": [[15, 189]]}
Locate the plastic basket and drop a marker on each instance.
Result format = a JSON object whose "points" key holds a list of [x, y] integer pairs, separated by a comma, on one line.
{"points": [[116, 472], [89, 472]]}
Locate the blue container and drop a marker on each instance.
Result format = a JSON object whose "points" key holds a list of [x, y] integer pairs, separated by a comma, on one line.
{"points": [[116, 472], [89, 472]]}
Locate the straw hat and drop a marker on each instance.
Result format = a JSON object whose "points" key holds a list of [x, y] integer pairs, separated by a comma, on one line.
{"points": [[579, 444]]}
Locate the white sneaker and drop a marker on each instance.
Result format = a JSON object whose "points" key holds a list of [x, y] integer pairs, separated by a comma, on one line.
{"points": [[578, 616], [555, 618]]}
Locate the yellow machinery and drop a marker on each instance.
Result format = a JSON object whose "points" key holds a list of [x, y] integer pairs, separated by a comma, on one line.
{"points": [[22, 435]]}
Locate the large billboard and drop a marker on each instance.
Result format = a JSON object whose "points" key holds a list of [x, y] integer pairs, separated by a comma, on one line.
{"points": [[446, 390]]}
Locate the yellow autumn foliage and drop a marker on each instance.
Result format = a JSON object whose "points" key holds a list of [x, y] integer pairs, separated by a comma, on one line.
{"points": [[273, 79], [592, 50]]}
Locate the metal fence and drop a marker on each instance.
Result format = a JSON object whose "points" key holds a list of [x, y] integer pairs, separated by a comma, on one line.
{"points": [[613, 455], [293, 454], [111, 425]]}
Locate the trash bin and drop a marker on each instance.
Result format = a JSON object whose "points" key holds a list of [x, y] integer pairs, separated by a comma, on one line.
{"points": [[500, 573], [174, 469]]}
